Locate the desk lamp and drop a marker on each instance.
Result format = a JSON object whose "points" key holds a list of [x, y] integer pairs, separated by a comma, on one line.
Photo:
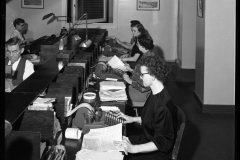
{"points": [[54, 17], [87, 42]]}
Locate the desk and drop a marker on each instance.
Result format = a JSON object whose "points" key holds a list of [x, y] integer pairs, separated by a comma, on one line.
{"points": [[24, 94], [73, 146]]}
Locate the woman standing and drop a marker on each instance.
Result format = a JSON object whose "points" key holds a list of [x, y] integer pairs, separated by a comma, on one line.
{"points": [[158, 117]]}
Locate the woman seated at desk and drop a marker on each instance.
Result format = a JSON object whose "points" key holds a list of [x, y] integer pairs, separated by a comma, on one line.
{"points": [[136, 90], [158, 117], [21, 67], [137, 29]]}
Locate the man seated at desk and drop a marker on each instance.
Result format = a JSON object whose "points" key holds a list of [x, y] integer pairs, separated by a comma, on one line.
{"points": [[20, 29], [21, 68]]}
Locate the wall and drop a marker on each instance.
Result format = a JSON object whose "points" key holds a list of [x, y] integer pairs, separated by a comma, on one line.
{"points": [[36, 26], [162, 25], [188, 34], [215, 65], [200, 45]]}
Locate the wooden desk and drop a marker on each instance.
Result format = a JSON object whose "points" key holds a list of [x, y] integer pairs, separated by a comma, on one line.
{"points": [[24, 94], [14, 103], [73, 146]]}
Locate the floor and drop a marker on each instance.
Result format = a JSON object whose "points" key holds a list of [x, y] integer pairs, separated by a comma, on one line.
{"points": [[206, 136]]}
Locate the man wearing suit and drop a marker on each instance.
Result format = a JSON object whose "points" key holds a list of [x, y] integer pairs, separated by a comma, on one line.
{"points": [[21, 68]]}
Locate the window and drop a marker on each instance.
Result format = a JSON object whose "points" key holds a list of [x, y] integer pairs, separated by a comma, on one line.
{"points": [[97, 10], [101, 13]]}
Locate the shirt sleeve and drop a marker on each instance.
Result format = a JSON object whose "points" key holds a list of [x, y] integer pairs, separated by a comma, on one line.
{"points": [[15, 34], [29, 69], [164, 133]]}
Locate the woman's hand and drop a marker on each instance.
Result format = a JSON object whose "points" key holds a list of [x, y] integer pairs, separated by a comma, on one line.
{"points": [[128, 67], [128, 119], [127, 79], [126, 145]]}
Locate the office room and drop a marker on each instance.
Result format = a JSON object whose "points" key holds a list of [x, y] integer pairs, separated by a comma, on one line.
{"points": [[196, 38]]}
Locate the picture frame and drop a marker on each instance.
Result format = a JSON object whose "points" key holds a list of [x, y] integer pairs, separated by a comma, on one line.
{"points": [[200, 8], [32, 4], [148, 5]]}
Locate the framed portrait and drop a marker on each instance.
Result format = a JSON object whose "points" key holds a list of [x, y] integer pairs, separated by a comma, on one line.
{"points": [[148, 5], [33, 4], [200, 8]]}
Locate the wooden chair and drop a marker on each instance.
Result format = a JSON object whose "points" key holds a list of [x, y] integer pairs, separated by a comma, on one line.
{"points": [[181, 126], [137, 106]]}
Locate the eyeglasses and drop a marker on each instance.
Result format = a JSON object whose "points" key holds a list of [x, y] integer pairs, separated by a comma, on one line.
{"points": [[141, 75], [15, 52]]}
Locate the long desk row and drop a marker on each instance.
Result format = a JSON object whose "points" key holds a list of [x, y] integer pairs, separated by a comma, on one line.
{"points": [[47, 77]]}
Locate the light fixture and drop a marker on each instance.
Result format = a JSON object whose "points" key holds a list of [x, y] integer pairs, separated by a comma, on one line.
{"points": [[54, 17], [87, 42], [61, 45]]}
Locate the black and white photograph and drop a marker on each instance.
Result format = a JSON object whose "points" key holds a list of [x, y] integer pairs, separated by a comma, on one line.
{"points": [[119, 79]]}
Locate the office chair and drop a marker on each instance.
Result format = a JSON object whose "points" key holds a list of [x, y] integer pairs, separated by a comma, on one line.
{"points": [[137, 106], [181, 126]]}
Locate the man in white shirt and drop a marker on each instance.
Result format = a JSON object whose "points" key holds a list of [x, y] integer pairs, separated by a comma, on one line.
{"points": [[21, 67], [20, 29]]}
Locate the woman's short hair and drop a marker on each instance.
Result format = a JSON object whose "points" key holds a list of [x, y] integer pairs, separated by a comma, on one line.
{"points": [[139, 26], [14, 41], [156, 67], [18, 21], [146, 41], [134, 22]]}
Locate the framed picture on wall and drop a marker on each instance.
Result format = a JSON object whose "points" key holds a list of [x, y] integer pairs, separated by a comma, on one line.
{"points": [[200, 8], [148, 5], [33, 4]]}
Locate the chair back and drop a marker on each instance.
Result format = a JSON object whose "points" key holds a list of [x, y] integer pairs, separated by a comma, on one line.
{"points": [[181, 127]]}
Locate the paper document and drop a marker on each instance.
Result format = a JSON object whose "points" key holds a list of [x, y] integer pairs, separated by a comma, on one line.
{"points": [[119, 95], [44, 100], [85, 154], [109, 85], [101, 139], [110, 108], [115, 62]]}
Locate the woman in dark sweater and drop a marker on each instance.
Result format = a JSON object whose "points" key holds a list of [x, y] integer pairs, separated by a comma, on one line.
{"points": [[137, 29], [158, 117], [136, 90]]}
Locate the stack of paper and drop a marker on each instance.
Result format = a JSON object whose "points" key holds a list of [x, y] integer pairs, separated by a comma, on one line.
{"points": [[112, 91], [85, 154], [98, 144], [42, 104], [111, 85], [110, 108]]}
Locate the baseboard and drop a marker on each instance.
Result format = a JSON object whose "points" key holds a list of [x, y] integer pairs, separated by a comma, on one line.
{"points": [[207, 108]]}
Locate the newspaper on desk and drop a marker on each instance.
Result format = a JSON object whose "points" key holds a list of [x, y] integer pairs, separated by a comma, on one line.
{"points": [[99, 143], [112, 91], [42, 104]]}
